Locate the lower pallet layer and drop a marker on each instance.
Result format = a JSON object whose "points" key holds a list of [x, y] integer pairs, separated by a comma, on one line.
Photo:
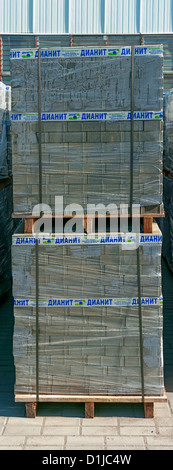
{"points": [[31, 402]]}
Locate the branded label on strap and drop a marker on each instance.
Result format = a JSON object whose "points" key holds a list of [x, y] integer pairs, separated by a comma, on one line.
{"points": [[87, 116], [85, 52], [96, 302], [117, 239]]}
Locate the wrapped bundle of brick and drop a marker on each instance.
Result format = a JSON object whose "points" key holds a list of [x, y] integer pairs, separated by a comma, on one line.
{"points": [[8, 128], [166, 224], [168, 131], [2, 102], [89, 336], [7, 224], [5, 135], [87, 161]]}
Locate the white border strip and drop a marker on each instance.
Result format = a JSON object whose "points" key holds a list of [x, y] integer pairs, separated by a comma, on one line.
{"points": [[116, 239], [87, 116], [99, 302], [85, 52]]}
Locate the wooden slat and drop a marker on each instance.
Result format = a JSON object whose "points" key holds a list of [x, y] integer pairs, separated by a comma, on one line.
{"points": [[31, 409], [149, 410], [43, 398], [143, 215], [89, 410], [88, 222], [147, 224]]}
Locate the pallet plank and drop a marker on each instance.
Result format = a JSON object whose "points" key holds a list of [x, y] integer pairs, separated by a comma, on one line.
{"points": [[149, 410], [43, 398], [89, 410], [31, 409]]}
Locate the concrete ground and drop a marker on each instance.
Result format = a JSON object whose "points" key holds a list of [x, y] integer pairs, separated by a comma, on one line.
{"points": [[63, 426]]}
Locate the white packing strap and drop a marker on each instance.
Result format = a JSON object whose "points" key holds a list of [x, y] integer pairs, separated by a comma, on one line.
{"points": [[88, 116], [96, 302], [85, 52], [116, 239]]}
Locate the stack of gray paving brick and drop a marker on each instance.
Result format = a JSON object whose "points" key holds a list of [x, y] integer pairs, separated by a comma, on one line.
{"points": [[168, 131], [5, 135], [166, 224], [6, 224], [6, 196], [93, 350], [87, 162], [8, 129]]}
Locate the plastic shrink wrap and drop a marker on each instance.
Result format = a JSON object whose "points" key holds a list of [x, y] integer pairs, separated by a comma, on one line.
{"points": [[89, 336], [5, 134], [166, 224], [168, 130], [6, 224], [87, 161]]}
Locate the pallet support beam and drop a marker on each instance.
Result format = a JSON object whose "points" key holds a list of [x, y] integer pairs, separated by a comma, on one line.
{"points": [[149, 410], [89, 410], [89, 223], [31, 409], [147, 224]]}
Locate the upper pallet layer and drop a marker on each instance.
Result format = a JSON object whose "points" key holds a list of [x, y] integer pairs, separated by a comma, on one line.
{"points": [[87, 80]]}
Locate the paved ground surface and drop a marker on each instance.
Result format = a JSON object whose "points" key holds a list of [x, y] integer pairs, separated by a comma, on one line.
{"points": [[63, 426]]}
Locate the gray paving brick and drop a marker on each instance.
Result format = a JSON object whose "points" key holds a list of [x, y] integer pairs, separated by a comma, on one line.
{"points": [[136, 422], [124, 441], [164, 421], [61, 421], [160, 441], [76, 441], [10, 440], [9, 447], [162, 410], [100, 421], [82, 447], [170, 400], [160, 448], [47, 440], [61, 430], [100, 431], [22, 430], [2, 424], [43, 447], [166, 431], [16, 421], [126, 447], [137, 430]]}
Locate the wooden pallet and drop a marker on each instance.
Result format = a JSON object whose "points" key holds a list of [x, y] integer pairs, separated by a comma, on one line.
{"points": [[31, 403], [89, 222]]}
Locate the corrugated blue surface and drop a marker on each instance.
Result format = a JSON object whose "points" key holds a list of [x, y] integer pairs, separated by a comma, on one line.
{"points": [[16, 16], [156, 16], [122, 16], [51, 16], [86, 16]]}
